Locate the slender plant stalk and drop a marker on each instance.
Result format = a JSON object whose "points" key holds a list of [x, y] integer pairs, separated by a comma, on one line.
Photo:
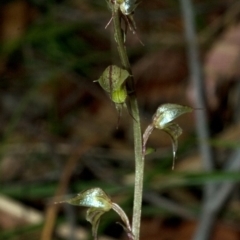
{"points": [[139, 157]]}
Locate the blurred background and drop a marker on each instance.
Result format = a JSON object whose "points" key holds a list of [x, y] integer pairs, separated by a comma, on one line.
{"points": [[58, 129]]}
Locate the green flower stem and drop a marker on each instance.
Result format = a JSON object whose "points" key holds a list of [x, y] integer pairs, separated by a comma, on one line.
{"points": [[139, 157]]}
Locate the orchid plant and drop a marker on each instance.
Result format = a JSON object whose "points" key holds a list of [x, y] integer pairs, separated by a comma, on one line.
{"points": [[118, 83]]}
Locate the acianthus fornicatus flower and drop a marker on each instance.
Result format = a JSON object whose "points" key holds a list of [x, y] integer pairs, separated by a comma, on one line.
{"points": [[99, 203], [127, 8], [113, 81], [162, 120]]}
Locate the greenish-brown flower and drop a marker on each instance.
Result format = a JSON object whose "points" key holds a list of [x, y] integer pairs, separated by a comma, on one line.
{"points": [[162, 120]]}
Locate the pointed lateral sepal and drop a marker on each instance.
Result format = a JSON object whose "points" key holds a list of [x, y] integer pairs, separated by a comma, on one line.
{"points": [[174, 131], [93, 216]]}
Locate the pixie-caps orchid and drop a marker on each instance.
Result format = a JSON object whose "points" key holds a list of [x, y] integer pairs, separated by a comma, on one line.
{"points": [[126, 8], [98, 203], [162, 120], [113, 81]]}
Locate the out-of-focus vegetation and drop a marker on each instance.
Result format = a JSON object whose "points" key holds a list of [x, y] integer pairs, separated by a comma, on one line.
{"points": [[58, 128]]}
